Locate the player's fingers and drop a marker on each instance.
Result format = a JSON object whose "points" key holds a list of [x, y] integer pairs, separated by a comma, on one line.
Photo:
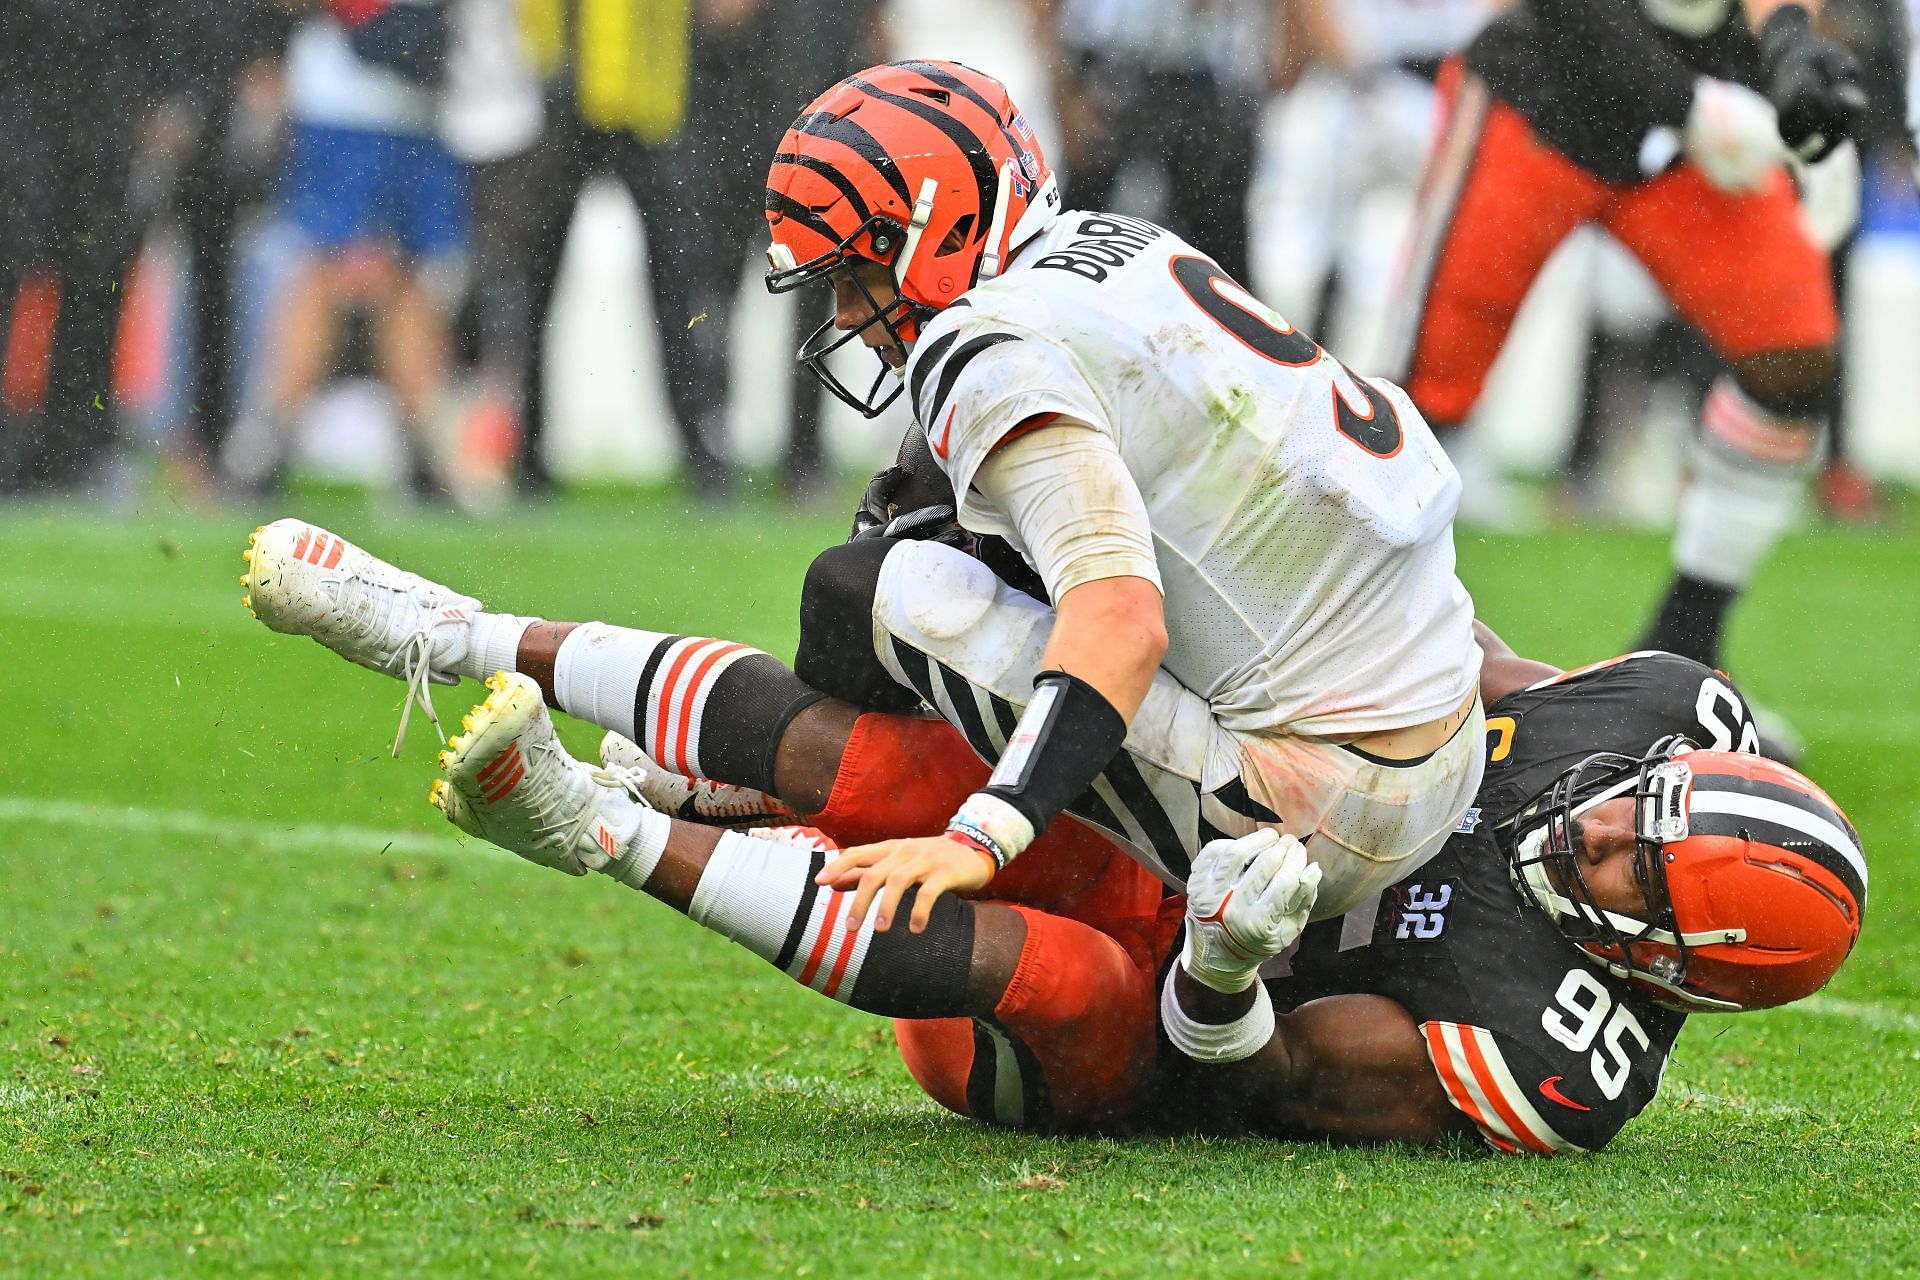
{"points": [[1260, 876], [843, 867], [903, 877], [1289, 864], [1249, 848], [872, 880], [930, 890], [1303, 889]]}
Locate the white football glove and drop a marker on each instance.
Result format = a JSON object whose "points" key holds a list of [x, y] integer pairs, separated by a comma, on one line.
{"points": [[1247, 900], [1732, 135]]}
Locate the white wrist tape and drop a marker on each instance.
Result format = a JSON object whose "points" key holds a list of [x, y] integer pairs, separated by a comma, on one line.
{"points": [[1216, 1042], [994, 824]]}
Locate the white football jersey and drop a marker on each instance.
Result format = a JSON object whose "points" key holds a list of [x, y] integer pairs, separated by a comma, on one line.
{"points": [[1301, 516]]}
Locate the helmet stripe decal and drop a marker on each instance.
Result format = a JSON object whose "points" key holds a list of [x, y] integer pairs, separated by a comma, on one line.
{"points": [[840, 181], [1727, 815], [957, 364], [787, 207], [955, 84], [863, 144], [985, 175], [1799, 799]]}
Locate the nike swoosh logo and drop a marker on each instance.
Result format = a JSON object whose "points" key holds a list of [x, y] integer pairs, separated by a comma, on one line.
{"points": [[946, 429], [1550, 1088]]}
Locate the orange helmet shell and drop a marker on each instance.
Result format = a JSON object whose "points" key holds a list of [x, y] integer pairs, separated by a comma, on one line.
{"points": [[926, 166], [1767, 854], [1755, 879]]}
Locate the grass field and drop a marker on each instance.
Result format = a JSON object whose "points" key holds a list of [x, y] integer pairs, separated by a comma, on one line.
{"points": [[261, 1013]]}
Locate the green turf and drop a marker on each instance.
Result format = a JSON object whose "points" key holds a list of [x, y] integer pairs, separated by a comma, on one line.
{"points": [[259, 1014]]}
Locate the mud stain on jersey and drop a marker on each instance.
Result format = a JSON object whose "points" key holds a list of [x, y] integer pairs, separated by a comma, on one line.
{"points": [[1230, 411]]}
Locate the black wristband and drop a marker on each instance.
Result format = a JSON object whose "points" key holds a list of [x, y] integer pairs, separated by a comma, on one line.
{"points": [[1067, 736]]}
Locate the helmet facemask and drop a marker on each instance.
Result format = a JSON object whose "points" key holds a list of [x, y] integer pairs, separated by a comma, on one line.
{"points": [[900, 319], [1544, 848]]}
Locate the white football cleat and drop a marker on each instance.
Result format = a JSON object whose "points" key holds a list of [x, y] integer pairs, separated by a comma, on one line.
{"points": [[509, 781], [1247, 901], [305, 581], [717, 804]]}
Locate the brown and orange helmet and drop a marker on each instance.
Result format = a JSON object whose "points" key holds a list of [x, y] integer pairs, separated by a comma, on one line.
{"points": [[1755, 881], [925, 167]]}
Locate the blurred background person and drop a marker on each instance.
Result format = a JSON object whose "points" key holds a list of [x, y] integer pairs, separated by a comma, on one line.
{"points": [[227, 57], [379, 204], [1341, 146], [85, 87], [675, 101], [1171, 84], [492, 114], [1879, 32], [1669, 128], [617, 77]]}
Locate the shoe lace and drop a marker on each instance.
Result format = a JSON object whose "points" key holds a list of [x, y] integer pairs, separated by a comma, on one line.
{"points": [[613, 777], [417, 673], [629, 778]]}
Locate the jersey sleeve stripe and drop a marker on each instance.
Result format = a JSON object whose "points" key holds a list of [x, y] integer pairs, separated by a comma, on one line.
{"points": [[1483, 1071], [1457, 1092], [956, 365], [925, 363], [1506, 1095]]}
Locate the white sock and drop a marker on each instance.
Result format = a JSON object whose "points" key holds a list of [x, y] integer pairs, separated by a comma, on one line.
{"points": [[597, 673], [1743, 490], [758, 890], [493, 644], [641, 835]]}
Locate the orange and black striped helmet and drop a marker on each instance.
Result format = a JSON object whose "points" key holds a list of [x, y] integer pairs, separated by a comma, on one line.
{"points": [[925, 167]]}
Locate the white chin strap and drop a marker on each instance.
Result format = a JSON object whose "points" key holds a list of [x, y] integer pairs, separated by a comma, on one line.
{"points": [[916, 227], [997, 230]]}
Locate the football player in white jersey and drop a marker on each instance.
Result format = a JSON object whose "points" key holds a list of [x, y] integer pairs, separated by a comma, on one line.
{"points": [[1252, 617]]}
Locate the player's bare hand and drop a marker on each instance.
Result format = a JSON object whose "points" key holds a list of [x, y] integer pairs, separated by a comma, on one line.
{"points": [[880, 875]]}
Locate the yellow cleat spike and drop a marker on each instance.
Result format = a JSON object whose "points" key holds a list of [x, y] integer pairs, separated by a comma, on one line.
{"points": [[248, 602], [255, 535], [437, 794]]}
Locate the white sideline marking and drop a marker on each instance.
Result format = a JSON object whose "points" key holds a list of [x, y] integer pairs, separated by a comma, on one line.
{"points": [[36, 811], [1870, 1012]]}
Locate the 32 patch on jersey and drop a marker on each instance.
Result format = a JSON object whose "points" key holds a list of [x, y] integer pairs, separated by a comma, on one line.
{"points": [[1420, 910]]}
